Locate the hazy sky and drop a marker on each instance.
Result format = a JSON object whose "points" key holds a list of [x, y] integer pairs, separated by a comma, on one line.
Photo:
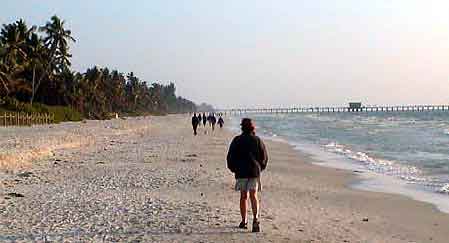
{"points": [[248, 53]]}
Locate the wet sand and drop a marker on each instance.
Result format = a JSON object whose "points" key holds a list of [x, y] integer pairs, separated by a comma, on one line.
{"points": [[150, 180]]}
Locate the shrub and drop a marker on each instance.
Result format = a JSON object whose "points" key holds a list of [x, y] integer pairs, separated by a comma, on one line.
{"points": [[64, 113], [61, 113]]}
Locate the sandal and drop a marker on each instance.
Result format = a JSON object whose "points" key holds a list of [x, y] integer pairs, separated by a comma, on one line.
{"points": [[243, 225], [256, 226]]}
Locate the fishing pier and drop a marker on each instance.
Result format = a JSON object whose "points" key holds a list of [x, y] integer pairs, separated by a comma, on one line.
{"points": [[353, 107]]}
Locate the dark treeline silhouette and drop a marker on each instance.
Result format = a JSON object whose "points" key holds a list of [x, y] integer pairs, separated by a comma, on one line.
{"points": [[35, 68]]}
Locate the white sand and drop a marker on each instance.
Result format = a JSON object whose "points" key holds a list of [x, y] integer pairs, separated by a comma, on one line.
{"points": [[150, 179]]}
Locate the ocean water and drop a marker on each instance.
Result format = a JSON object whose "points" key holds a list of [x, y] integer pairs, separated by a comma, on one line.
{"points": [[403, 152]]}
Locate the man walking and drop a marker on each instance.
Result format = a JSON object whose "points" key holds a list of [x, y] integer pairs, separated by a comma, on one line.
{"points": [[247, 158], [220, 122], [195, 122], [213, 121], [204, 119]]}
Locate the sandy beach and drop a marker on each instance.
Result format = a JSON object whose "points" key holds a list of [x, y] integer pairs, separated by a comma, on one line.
{"points": [[148, 179]]}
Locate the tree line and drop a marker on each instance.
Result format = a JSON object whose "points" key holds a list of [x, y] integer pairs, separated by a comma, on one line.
{"points": [[35, 68]]}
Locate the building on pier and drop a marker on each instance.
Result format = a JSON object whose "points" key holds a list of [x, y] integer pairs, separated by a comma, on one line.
{"points": [[355, 106]]}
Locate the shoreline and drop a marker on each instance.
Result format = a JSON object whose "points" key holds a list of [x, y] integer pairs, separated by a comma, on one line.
{"points": [[365, 180], [370, 181], [395, 208], [416, 209], [162, 184]]}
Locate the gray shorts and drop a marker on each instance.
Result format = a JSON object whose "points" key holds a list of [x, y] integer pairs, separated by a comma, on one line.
{"points": [[248, 184]]}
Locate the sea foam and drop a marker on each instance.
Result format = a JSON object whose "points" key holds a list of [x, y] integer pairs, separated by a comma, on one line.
{"points": [[383, 166], [444, 189], [446, 131]]}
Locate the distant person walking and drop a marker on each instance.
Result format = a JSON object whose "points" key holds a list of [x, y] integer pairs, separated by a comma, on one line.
{"points": [[204, 119], [247, 158], [220, 121], [209, 119], [195, 122], [213, 121]]}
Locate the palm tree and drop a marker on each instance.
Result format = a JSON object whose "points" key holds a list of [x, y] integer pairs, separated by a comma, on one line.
{"points": [[36, 60], [4, 79], [13, 55], [3, 73], [34, 65], [116, 91], [13, 44], [78, 92], [57, 41]]}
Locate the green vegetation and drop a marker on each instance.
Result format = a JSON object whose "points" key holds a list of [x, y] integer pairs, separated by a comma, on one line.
{"points": [[61, 113], [36, 76]]}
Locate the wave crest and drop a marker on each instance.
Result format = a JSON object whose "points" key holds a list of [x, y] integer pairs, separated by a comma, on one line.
{"points": [[383, 166]]}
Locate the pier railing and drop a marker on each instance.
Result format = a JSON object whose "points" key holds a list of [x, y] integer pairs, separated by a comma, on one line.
{"points": [[400, 108], [25, 119]]}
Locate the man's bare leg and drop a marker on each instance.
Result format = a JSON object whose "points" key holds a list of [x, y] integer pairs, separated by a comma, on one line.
{"points": [[243, 205], [254, 204], [255, 207]]}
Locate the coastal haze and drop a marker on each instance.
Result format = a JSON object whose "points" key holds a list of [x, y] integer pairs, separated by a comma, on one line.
{"points": [[265, 53]]}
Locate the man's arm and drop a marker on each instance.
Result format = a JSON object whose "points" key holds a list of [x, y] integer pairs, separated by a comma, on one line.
{"points": [[231, 156], [263, 156]]}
